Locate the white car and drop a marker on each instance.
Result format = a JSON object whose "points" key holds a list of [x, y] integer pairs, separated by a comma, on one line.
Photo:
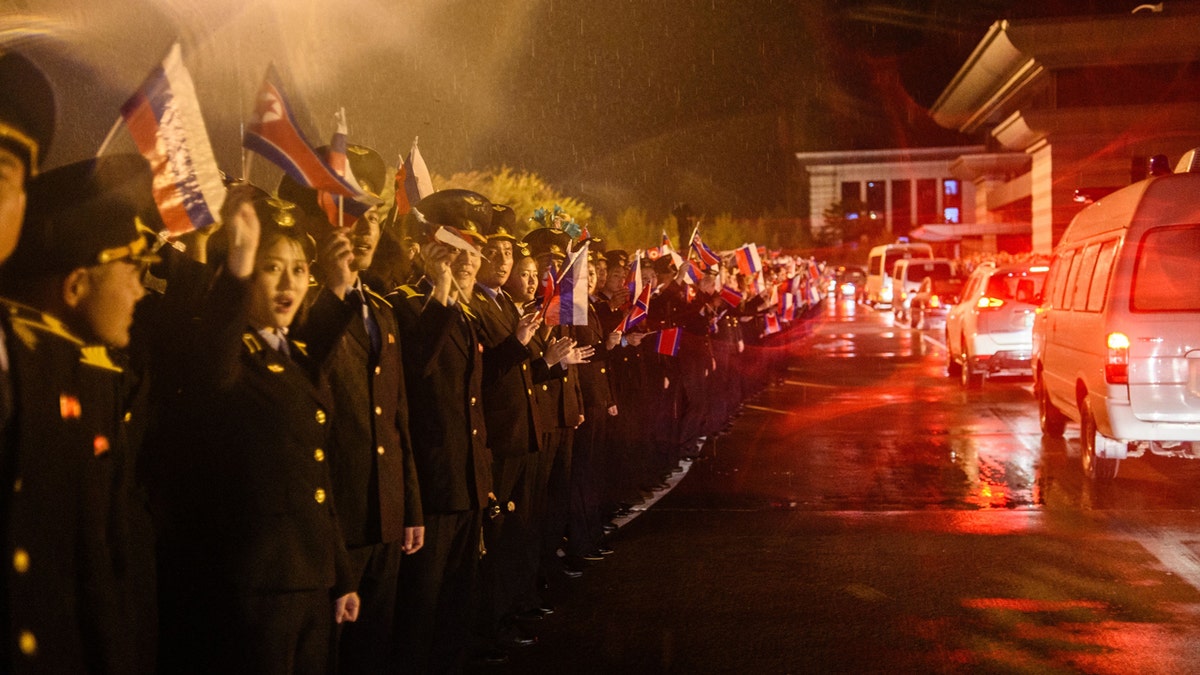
{"points": [[990, 330]]}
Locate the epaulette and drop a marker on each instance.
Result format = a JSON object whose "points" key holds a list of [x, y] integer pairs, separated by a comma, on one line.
{"points": [[28, 323], [154, 284], [410, 292], [377, 296], [467, 310], [301, 347], [97, 357], [253, 342]]}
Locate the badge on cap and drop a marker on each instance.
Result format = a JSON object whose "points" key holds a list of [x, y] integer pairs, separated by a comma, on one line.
{"points": [[69, 407]]}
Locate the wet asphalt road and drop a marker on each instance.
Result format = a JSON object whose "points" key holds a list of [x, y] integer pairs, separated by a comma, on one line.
{"points": [[867, 515]]}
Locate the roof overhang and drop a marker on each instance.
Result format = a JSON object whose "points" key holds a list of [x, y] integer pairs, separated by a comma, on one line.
{"points": [[936, 232]]}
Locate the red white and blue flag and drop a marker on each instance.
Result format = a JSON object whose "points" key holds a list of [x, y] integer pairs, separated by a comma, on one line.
{"points": [[341, 213], [705, 255], [772, 324], [164, 118], [692, 272], [748, 260], [417, 182], [274, 134], [633, 279], [452, 236], [789, 306], [569, 305], [637, 313], [668, 341], [731, 296]]}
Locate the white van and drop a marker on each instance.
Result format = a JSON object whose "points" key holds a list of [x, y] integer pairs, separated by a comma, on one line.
{"points": [[880, 264], [907, 276], [1116, 339]]}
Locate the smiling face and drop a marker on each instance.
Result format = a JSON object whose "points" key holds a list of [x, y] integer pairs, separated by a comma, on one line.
{"points": [[279, 283], [464, 266], [364, 237]]}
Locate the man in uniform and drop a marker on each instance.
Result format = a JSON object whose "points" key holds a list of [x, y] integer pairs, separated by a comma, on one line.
{"points": [[443, 370], [80, 595], [510, 568], [370, 455]]}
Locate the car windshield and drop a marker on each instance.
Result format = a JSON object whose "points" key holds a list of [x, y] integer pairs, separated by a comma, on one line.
{"points": [[1019, 285]]}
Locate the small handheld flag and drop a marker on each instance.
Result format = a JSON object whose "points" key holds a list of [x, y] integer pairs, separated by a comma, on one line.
{"points": [[417, 182], [163, 116], [704, 254], [731, 296], [274, 134], [568, 306], [668, 341], [748, 260]]}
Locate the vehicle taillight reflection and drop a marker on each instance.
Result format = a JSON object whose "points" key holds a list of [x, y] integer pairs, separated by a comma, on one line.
{"points": [[1116, 366], [989, 303], [934, 301]]}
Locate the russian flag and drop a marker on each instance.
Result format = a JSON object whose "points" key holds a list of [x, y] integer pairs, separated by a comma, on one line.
{"points": [[704, 254], [668, 341], [789, 307], [748, 260], [570, 307], [164, 118], [274, 134], [339, 212], [692, 272], [731, 296], [417, 182]]}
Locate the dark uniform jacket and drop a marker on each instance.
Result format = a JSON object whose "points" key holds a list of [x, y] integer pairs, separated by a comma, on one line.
{"points": [[594, 383], [49, 470], [443, 370], [370, 453], [508, 405], [250, 500], [559, 401]]}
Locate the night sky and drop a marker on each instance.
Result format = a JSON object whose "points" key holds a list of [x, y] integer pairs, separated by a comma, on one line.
{"points": [[616, 102]]}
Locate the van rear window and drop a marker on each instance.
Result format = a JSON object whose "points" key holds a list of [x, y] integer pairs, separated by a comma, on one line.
{"points": [[1020, 286], [1164, 274]]}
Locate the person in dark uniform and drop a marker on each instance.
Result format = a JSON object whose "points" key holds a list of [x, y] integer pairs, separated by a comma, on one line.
{"points": [[589, 454], [254, 565], [559, 402], [370, 452], [509, 569], [443, 370], [80, 259]]}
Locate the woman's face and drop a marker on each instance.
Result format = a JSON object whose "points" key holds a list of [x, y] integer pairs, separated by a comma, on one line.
{"points": [[592, 278], [522, 283], [279, 284]]}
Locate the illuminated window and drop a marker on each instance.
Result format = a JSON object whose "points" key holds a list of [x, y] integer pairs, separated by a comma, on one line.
{"points": [[951, 215]]}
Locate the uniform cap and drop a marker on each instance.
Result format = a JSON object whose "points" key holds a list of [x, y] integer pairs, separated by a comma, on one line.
{"points": [[504, 223], [468, 212], [88, 213], [617, 257], [548, 241], [27, 109]]}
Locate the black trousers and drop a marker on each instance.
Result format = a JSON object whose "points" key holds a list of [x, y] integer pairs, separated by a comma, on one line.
{"points": [[437, 593], [369, 645]]}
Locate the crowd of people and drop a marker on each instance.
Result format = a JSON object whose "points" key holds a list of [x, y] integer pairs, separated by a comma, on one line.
{"points": [[291, 444]]}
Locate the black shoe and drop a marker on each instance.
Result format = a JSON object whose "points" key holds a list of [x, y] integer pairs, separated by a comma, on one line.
{"points": [[591, 556], [572, 573], [545, 610], [604, 550], [519, 640], [609, 528]]}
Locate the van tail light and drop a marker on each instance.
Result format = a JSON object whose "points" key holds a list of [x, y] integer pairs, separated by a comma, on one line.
{"points": [[989, 303], [934, 301], [1116, 366]]}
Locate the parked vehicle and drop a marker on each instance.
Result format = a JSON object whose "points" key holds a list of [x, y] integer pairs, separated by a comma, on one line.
{"points": [[933, 300], [990, 330], [1117, 339], [907, 276], [880, 264]]}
